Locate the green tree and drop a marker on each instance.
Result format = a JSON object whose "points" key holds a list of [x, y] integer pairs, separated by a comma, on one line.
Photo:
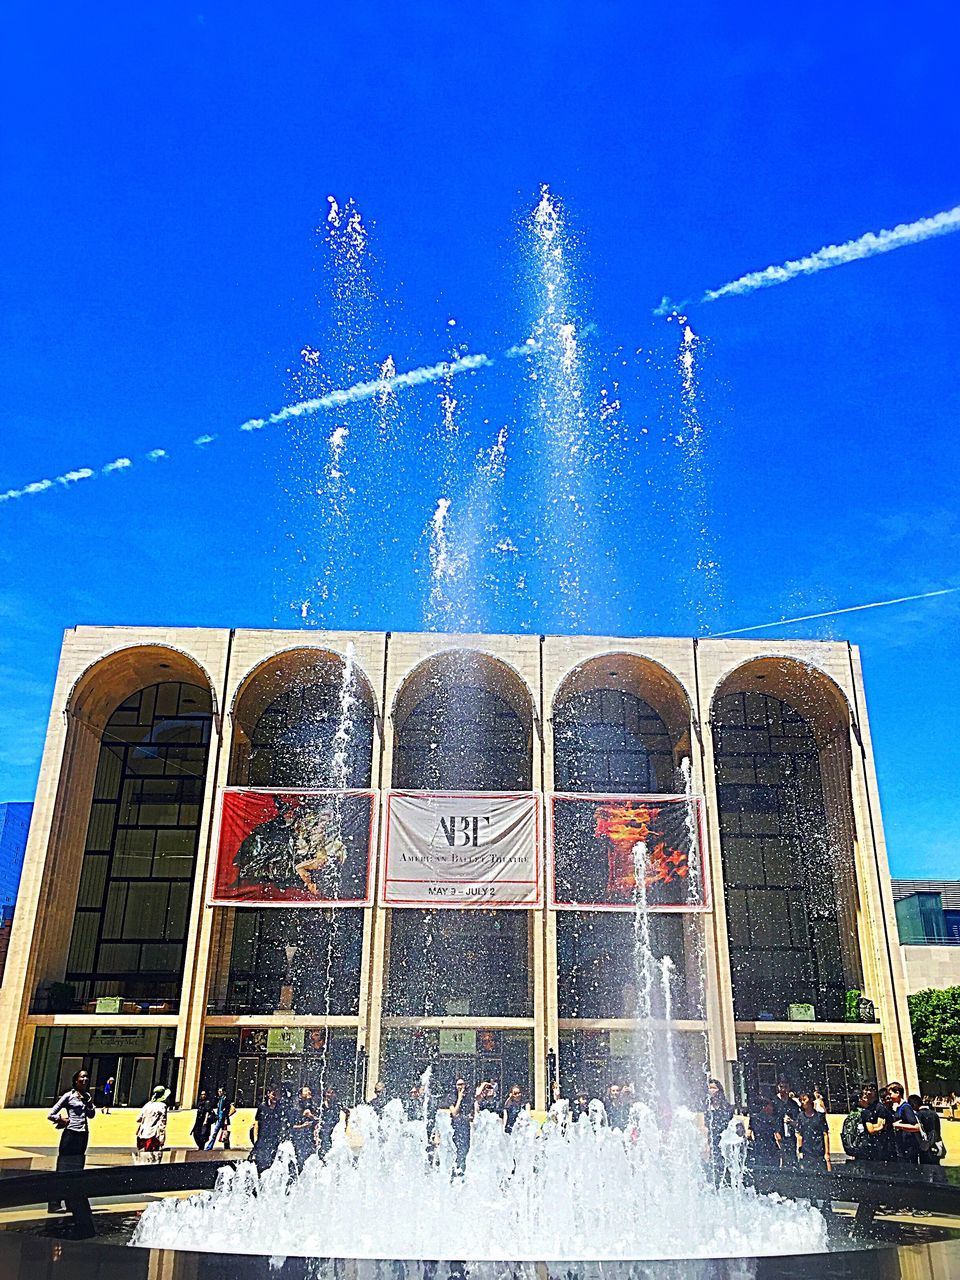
{"points": [[935, 1018]]}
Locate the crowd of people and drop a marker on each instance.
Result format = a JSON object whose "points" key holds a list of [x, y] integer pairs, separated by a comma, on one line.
{"points": [[789, 1129], [781, 1129]]}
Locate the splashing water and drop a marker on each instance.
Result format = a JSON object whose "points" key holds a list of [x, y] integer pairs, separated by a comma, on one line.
{"points": [[579, 1190], [706, 568], [445, 567]]}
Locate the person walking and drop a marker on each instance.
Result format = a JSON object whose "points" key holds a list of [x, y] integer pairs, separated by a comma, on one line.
{"points": [[152, 1126], [813, 1136], [222, 1109], [72, 1113], [717, 1115], [203, 1121], [303, 1128], [109, 1089]]}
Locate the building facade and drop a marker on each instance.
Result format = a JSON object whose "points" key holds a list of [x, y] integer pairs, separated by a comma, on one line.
{"points": [[14, 829], [120, 960], [928, 921]]}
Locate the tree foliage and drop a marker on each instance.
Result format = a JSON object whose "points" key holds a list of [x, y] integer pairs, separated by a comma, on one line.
{"points": [[935, 1018]]}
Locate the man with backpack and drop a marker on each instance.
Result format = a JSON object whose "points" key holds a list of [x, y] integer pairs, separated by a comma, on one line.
{"points": [[932, 1148], [867, 1134]]}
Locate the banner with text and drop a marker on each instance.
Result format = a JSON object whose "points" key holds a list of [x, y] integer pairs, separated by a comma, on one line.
{"points": [[600, 844], [295, 848], [460, 849]]}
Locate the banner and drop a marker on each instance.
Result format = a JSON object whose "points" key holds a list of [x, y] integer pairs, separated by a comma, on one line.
{"points": [[294, 848], [599, 843], [462, 849]]}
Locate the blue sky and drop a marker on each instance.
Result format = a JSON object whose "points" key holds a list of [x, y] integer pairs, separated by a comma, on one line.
{"points": [[164, 171]]}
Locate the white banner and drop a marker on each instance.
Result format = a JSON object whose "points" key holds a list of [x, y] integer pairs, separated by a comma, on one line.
{"points": [[462, 849]]}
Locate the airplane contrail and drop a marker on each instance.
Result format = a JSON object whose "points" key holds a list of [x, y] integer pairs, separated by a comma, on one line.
{"points": [[332, 400], [830, 613], [831, 255]]}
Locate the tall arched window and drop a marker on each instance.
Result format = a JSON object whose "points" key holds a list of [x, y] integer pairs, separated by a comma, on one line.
{"points": [[781, 877], [610, 740], [464, 732], [293, 741], [130, 927], [305, 960]]}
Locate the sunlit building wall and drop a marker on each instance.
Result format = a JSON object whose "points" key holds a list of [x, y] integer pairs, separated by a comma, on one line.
{"points": [[118, 961]]}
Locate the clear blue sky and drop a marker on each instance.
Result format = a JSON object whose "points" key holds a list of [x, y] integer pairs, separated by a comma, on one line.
{"points": [[164, 169]]}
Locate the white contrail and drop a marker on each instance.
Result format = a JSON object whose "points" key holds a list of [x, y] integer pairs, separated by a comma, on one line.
{"points": [[830, 613], [332, 400], [367, 390], [831, 255]]}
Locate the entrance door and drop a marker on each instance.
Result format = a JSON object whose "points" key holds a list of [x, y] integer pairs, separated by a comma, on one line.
{"points": [[838, 1088], [247, 1083], [141, 1081]]}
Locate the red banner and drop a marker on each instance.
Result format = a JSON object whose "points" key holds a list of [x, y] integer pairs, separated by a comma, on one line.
{"points": [[295, 849], [600, 843]]}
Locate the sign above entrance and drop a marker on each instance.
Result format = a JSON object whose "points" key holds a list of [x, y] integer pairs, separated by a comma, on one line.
{"points": [[598, 845], [462, 849], [295, 848]]}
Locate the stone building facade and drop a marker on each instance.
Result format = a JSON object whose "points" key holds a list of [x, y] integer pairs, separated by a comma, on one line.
{"points": [[118, 960]]}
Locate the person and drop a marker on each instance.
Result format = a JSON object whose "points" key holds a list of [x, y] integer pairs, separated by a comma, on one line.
{"points": [[813, 1136], [881, 1147], [152, 1125], [331, 1113], [819, 1101], [379, 1099], [613, 1107], [108, 1091], [304, 1126], [717, 1115], [906, 1126], [204, 1119], [460, 1122], [765, 1137], [787, 1109], [512, 1107], [933, 1135], [485, 1098], [72, 1113], [580, 1105], [222, 1109], [269, 1129]]}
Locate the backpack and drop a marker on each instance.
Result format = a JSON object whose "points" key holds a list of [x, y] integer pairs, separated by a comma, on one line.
{"points": [[854, 1136], [925, 1139]]}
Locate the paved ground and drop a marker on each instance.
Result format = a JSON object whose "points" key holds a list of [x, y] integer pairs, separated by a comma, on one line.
{"points": [[28, 1129]]}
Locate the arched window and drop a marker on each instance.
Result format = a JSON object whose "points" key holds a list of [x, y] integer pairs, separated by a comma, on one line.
{"points": [[302, 960], [293, 742], [781, 878], [130, 927], [611, 741], [464, 732]]}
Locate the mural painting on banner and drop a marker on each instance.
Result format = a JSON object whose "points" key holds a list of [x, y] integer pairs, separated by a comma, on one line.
{"points": [[462, 849], [599, 842], [295, 848]]}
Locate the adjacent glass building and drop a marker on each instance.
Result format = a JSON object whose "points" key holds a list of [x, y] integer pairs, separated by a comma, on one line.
{"points": [[120, 961]]}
